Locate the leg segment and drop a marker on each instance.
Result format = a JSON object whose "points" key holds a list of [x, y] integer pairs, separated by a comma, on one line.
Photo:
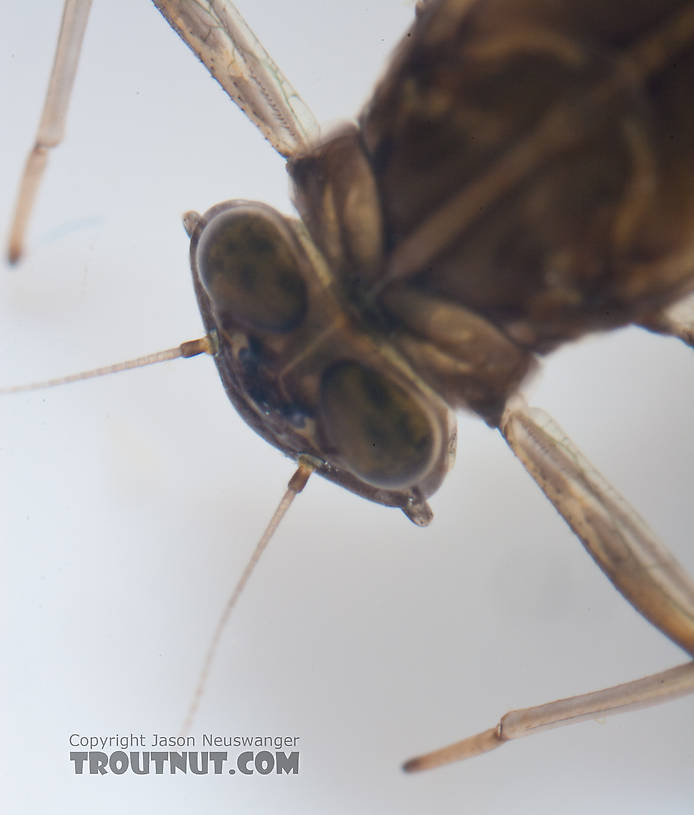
{"points": [[627, 551], [650, 690], [52, 124], [619, 541]]}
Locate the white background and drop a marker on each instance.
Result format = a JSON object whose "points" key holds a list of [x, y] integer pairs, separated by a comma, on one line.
{"points": [[129, 505]]}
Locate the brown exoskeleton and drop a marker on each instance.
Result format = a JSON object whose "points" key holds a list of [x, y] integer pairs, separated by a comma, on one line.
{"points": [[629, 142]]}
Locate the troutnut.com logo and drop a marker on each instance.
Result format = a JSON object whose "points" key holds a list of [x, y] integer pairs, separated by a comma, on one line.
{"points": [[119, 754]]}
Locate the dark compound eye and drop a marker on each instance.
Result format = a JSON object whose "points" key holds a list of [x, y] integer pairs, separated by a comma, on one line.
{"points": [[250, 271], [381, 433]]}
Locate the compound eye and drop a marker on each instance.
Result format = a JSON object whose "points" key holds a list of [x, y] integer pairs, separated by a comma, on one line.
{"points": [[250, 271], [381, 433]]}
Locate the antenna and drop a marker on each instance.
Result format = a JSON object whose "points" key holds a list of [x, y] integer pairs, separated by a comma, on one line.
{"points": [[296, 484], [191, 348], [208, 344]]}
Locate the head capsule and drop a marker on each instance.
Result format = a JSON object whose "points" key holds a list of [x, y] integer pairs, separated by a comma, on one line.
{"points": [[306, 369]]}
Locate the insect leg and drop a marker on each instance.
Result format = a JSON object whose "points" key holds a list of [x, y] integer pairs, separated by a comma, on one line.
{"points": [[53, 117], [218, 34], [619, 541], [627, 551], [644, 692]]}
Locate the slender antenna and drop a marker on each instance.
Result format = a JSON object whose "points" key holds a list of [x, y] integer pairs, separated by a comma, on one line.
{"points": [[296, 484], [191, 348]]}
